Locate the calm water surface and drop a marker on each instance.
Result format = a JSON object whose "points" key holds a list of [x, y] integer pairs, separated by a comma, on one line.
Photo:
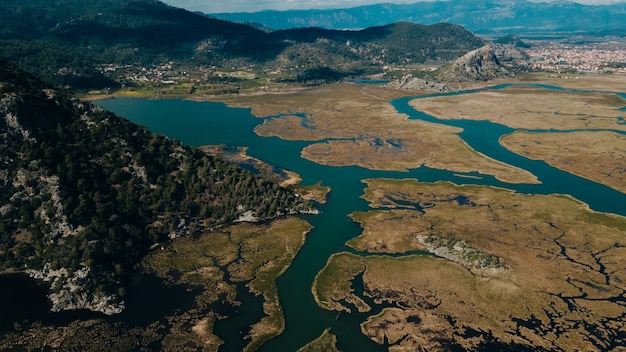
{"points": [[195, 124]]}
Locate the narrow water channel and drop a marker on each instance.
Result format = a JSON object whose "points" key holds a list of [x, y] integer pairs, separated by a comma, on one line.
{"points": [[213, 123]]}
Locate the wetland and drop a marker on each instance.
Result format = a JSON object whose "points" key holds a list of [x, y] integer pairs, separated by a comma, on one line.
{"points": [[461, 230]]}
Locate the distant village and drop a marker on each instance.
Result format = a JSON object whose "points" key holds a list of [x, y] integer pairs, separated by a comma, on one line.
{"points": [[168, 73], [608, 57]]}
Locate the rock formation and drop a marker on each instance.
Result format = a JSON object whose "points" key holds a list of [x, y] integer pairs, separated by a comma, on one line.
{"points": [[485, 63], [409, 82]]}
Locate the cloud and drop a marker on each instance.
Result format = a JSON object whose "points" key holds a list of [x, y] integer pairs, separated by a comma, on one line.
{"points": [[217, 6]]}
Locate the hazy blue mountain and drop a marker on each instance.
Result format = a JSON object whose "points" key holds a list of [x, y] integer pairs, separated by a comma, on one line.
{"points": [[482, 16]]}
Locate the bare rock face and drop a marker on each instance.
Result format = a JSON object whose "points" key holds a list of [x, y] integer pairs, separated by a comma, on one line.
{"points": [[484, 64], [509, 53], [489, 62]]}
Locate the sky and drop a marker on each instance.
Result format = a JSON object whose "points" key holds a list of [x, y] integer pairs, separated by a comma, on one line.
{"points": [[217, 6]]}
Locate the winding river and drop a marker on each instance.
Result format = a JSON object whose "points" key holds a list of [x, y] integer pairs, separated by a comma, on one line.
{"points": [[195, 124]]}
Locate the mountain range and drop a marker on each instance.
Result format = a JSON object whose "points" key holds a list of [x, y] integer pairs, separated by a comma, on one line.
{"points": [[481, 16], [64, 41]]}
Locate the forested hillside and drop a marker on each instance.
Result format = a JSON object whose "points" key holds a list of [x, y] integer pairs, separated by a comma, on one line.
{"points": [[65, 41], [62, 41], [391, 44], [84, 193]]}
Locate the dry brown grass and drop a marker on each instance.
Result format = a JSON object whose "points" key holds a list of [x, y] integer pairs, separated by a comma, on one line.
{"points": [[566, 266], [389, 231], [531, 108], [594, 82], [363, 129], [598, 156]]}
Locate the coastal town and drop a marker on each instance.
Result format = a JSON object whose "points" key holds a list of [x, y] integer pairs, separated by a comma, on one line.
{"points": [[608, 56], [597, 57]]}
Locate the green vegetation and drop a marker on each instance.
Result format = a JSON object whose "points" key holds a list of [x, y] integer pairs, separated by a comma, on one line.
{"points": [[119, 43], [82, 189], [327, 342], [63, 41], [333, 284], [245, 253]]}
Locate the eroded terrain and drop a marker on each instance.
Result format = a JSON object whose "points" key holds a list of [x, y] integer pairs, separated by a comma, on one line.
{"points": [[517, 271]]}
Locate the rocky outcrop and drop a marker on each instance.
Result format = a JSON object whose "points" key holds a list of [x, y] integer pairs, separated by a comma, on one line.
{"points": [[68, 292], [489, 62], [409, 82], [509, 53], [486, 63], [459, 251]]}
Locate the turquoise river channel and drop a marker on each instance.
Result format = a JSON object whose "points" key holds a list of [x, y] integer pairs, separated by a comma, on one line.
{"points": [[211, 123]]}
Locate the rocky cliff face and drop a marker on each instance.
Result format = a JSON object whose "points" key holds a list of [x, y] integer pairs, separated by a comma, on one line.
{"points": [[489, 62]]}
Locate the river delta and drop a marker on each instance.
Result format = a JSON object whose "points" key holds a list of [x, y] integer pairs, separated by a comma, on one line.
{"points": [[491, 217], [351, 134]]}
